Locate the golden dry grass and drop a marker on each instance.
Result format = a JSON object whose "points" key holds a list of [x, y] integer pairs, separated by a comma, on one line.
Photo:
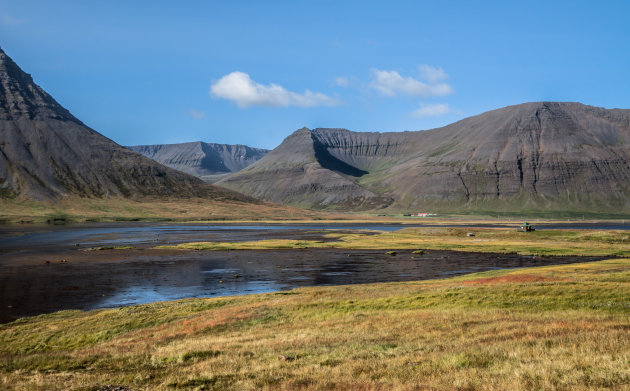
{"points": [[148, 209], [550, 328], [197, 209]]}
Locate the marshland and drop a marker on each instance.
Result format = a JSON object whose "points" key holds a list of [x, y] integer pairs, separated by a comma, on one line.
{"points": [[310, 307]]}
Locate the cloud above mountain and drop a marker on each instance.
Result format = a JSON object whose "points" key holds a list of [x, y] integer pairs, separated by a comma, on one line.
{"points": [[239, 88], [391, 83], [427, 82], [431, 74]]}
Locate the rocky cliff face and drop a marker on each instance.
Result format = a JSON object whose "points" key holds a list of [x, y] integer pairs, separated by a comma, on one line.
{"points": [[46, 153], [204, 160], [534, 156]]}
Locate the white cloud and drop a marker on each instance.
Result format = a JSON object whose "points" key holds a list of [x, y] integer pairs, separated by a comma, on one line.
{"points": [[391, 83], [194, 114], [435, 110], [342, 81], [431, 74], [241, 89]]}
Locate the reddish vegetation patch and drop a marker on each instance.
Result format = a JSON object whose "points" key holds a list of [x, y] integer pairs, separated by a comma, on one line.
{"points": [[177, 329], [217, 317], [513, 279]]}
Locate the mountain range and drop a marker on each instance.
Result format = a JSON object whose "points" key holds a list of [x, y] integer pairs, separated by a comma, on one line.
{"points": [[540, 156], [208, 161], [533, 157]]}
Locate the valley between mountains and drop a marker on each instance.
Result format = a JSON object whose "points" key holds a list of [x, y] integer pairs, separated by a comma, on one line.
{"points": [[540, 158]]}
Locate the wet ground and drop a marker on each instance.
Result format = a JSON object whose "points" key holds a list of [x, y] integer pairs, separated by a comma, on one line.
{"points": [[43, 272]]}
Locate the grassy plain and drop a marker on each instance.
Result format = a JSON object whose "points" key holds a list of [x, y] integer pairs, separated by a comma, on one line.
{"points": [[558, 327], [80, 210], [491, 240], [148, 209]]}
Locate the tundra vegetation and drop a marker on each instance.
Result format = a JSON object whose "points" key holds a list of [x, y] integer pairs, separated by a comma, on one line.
{"points": [[79, 210], [489, 240], [556, 327]]}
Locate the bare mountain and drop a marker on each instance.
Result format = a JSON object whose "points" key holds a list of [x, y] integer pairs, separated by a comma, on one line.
{"points": [[301, 172], [542, 156], [47, 153], [207, 161]]}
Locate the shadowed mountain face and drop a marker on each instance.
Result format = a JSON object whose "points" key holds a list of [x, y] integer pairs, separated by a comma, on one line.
{"points": [[528, 157], [47, 153], [303, 172], [204, 160]]}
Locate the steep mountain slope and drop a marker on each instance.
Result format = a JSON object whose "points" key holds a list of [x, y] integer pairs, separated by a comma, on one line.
{"points": [[530, 156], [533, 156], [301, 172], [47, 153], [207, 161]]}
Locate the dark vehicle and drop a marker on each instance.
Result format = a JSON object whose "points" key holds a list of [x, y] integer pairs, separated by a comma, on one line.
{"points": [[526, 227]]}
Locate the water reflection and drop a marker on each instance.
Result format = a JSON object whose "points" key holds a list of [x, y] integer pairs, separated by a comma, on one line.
{"points": [[35, 289], [87, 236], [30, 283]]}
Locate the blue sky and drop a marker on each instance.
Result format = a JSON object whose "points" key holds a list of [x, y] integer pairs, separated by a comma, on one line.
{"points": [[251, 72]]}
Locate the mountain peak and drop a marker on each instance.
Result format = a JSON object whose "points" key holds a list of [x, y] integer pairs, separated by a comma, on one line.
{"points": [[301, 132], [47, 153], [20, 97]]}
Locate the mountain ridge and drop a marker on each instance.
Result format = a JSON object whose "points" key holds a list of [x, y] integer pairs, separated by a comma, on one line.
{"points": [[207, 161], [532, 156], [296, 170]]}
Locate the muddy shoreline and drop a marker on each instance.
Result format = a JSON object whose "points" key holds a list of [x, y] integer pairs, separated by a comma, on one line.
{"points": [[36, 282], [16, 230], [70, 267]]}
